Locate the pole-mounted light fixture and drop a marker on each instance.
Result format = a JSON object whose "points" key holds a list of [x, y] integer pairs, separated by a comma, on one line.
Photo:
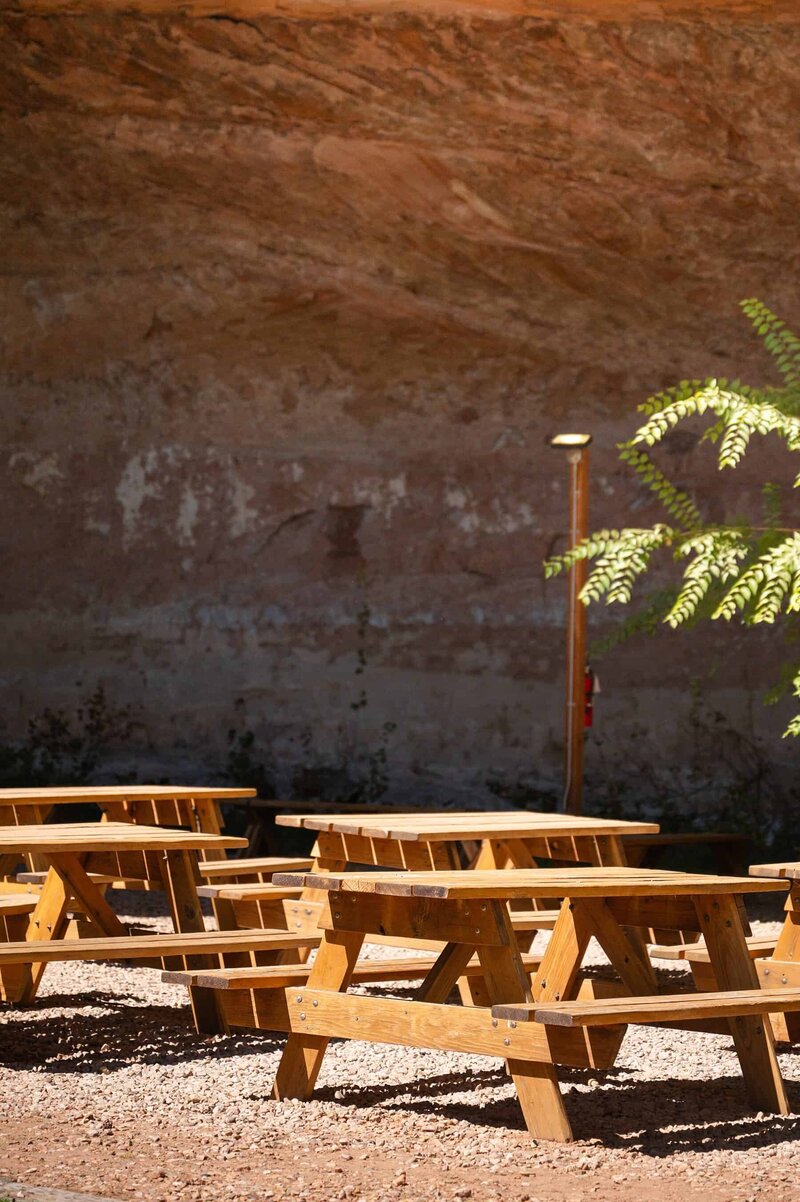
{"points": [[576, 447], [570, 441]]}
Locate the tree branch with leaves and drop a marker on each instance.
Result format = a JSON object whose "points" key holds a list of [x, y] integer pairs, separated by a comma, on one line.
{"points": [[729, 571]]}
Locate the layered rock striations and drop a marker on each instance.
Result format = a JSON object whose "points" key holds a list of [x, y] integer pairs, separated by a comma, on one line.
{"points": [[291, 300]]}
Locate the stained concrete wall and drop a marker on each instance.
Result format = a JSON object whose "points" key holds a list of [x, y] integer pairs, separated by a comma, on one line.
{"points": [[290, 306]]}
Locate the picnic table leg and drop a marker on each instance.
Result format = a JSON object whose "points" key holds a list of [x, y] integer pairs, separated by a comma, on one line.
{"points": [[555, 978], [536, 1084], [610, 851], [721, 923], [450, 964], [302, 1057], [438, 983], [788, 948], [48, 921], [493, 854], [9, 863], [497, 854], [623, 946], [87, 894], [181, 878]]}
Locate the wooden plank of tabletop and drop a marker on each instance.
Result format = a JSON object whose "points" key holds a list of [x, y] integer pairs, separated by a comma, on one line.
{"points": [[496, 824], [106, 836], [541, 882], [786, 872], [52, 795], [322, 822]]}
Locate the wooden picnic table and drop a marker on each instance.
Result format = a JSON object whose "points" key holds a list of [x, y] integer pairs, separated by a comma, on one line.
{"points": [[422, 840], [193, 807], [505, 838], [555, 1018], [81, 857]]}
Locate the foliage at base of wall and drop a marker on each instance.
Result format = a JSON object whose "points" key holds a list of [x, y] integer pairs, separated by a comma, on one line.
{"points": [[66, 748], [354, 776], [725, 780]]}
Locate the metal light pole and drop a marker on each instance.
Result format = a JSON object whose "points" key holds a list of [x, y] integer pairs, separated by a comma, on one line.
{"points": [[576, 447]]}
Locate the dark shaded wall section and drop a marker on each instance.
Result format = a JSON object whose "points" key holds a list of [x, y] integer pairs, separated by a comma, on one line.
{"points": [[289, 309]]}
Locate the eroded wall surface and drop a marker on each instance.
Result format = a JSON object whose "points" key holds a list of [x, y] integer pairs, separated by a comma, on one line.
{"points": [[289, 309]]}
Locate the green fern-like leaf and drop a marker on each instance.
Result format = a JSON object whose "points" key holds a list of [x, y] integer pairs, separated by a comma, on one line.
{"points": [[730, 570]]}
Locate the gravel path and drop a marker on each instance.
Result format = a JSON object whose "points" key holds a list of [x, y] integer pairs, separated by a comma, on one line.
{"points": [[105, 1088]]}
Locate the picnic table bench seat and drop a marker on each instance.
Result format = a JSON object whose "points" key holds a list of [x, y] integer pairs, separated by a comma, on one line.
{"points": [[13, 904], [258, 891], [258, 870], [661, 1008], [251, 868], [151, 947], [410, 968], [697, 953]]}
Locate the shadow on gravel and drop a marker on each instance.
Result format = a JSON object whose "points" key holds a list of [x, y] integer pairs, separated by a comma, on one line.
{"points": [[75, 1001], [85, 1043], [707, 1116], [416, 1096]]}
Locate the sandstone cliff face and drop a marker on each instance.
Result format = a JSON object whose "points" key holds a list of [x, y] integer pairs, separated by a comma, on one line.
{"points": [[290, 305]]}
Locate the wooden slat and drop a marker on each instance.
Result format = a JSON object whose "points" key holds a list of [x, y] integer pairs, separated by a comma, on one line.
{"points": [[135, 947], [99, 878], [789, 871], [543, 883], [665, 1008], [53, 795], [106, 837], [258, 892]]}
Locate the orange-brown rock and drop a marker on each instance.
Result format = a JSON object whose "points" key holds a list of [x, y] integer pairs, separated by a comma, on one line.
{"points": [[292, 297]]}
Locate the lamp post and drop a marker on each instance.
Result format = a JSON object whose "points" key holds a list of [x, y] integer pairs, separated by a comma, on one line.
{"points": [[576, 447]]}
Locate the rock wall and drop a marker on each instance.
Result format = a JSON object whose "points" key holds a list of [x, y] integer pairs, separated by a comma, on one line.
{"points": [[290, 305]]}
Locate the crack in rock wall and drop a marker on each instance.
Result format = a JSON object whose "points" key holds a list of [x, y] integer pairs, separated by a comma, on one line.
{"points": [[290, 307]]}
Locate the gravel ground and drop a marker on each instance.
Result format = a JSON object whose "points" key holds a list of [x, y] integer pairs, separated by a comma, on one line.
{"points": [[105, 1088]]}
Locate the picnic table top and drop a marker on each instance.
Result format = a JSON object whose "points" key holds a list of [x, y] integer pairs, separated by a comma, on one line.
{"points": [[509, 883], [787, 871], [466, 824], [52, 795], [106, 836]]}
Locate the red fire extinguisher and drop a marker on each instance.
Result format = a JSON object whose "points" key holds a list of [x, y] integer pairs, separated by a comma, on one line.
{"points": [[591, 685]]}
